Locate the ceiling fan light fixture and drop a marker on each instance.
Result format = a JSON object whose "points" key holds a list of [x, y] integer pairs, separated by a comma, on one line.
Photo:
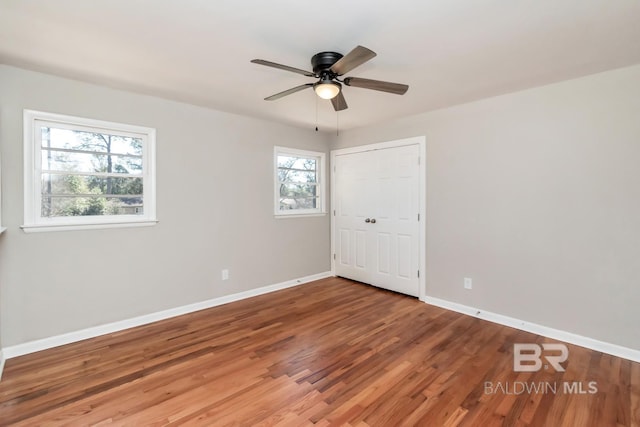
{"points": [[327, 89]]}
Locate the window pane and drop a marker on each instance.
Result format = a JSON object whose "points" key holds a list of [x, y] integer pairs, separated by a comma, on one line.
{"points": [[82, 185], [90, 141], [57, 206], [300, 163], [291, 203], [297, 190], [88, 162], [288, 175]]}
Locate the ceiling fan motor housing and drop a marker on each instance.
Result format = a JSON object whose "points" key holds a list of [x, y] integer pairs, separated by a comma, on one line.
{"points": [[323, 61]]}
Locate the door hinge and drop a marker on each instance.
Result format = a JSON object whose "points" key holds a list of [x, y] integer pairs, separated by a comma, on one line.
{"points": [[334, 256], [418, 217], [418, 273], [334, 212]]}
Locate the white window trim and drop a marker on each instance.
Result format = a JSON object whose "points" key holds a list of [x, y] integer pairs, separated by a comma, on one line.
{"points": [[320, 177], [33, 222]]}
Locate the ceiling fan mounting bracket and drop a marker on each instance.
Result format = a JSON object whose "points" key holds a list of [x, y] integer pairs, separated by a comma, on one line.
{"points": [[323, 61]]}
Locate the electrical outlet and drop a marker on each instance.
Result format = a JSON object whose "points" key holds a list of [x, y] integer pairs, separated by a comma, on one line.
{"points": [[225, 274], [468, 284]]}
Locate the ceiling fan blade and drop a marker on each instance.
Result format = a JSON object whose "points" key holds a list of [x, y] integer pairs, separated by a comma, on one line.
{"points": [[339, 103], [283, 67], [397, 88], [351, 60], [288, 92]]}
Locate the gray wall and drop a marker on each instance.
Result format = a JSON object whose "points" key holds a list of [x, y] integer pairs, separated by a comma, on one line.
{"points": [[214, 204], [536, 196]]}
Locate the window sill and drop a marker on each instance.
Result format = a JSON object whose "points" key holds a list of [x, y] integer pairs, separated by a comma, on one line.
{"points": [[41, 228], [281, 216]]}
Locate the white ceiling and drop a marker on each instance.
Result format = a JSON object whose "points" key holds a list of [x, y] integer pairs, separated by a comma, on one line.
{"points": [[198, 51]]}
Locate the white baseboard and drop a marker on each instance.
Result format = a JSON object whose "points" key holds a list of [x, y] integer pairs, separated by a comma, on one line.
{"points": [[71, 337], [557, 334]]}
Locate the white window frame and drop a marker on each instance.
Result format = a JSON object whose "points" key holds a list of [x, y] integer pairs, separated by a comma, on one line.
{"points": [[33, 220], [320, 187]]}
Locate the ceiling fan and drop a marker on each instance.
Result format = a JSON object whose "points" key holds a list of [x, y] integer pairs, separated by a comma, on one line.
{"points": [[327, 68]]}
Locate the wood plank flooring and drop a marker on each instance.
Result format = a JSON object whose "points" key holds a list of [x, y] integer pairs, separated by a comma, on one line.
{"points": [[328, 353]]}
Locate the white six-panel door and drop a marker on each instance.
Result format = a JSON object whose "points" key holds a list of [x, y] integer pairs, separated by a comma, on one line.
{"points": [[376, 219]]}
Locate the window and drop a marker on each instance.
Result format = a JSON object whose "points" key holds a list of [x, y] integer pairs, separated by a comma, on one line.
{"points": [[299, 182], [82, 173]]}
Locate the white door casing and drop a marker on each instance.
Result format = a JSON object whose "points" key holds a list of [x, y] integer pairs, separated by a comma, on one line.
{"points": [[378, 217]]}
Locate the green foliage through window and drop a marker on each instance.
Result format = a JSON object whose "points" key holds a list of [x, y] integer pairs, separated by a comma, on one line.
{"points": [[89, 173]]}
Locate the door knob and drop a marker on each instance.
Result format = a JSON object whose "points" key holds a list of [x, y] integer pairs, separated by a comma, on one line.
{"points": [[373, 220], [367, 220]]}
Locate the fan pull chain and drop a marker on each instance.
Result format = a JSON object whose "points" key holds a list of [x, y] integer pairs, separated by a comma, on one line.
{"points": [[316, 113]]}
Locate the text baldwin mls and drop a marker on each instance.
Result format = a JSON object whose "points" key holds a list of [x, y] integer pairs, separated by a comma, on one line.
{"points": [[541, 387]]}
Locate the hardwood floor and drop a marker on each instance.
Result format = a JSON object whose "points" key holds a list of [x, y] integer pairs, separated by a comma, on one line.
{"points": [[332, 352]]}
